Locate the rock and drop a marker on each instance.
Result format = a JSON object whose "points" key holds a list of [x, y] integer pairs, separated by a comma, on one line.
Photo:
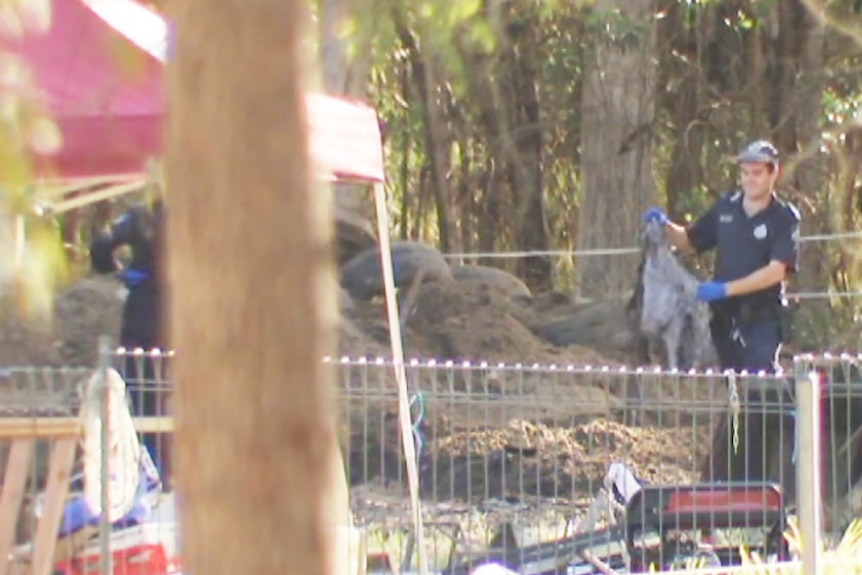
{"points": [[85, 311], [485, 275], [595, 325], [363, 279]]}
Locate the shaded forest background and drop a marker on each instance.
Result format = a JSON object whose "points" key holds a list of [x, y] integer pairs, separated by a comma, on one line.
{"points": [[535, 125], [548, 126]]}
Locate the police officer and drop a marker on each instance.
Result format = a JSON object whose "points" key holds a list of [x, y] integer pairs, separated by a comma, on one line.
{"points": [[140, 228], [756, 237]]}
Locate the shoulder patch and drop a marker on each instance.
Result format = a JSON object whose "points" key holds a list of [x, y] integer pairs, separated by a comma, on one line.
{"points": [[734, 196]]}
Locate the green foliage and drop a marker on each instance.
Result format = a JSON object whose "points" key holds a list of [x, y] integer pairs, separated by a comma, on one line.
{"points": [[475, 54], [614, 27], [35, 263]]}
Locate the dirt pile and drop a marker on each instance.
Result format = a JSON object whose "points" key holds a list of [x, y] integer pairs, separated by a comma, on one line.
{"points": [[473, 313], [85, 311], [521, 459], [470, 321], [449, 319], [82, 312]]}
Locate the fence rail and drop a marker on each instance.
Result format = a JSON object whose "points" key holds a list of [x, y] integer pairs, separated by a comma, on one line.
{"points": [[546, 468]]}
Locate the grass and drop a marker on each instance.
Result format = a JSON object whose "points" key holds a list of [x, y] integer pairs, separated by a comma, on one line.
{"points": [[844, 557]]}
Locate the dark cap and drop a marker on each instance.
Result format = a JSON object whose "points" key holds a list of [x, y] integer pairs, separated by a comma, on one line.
{"points": [[759, 151]]}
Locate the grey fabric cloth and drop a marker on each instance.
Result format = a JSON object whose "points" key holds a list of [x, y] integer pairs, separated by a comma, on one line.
{"points": [[670, 311]]}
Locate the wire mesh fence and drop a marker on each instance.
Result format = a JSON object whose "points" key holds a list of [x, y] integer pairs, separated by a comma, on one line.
{"points": [[519, 459], [543, 468]]}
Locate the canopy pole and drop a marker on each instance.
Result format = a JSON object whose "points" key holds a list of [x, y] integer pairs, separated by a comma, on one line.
{"points": [[400, 373]]}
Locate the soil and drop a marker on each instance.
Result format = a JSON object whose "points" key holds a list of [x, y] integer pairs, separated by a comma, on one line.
{"points": [[523, 460], [471, 321]]}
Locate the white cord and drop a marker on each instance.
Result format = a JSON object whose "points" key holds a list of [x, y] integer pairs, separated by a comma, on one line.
{"points": [[616, 251]]}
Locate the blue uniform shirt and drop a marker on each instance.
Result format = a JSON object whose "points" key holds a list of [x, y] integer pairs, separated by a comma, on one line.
{"points": [[745, 244]]}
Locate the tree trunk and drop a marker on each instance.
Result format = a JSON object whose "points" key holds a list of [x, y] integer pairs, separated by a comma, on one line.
{"points": [[252, 314], [685, 173], [436, 140], [532, 232], [809, 171], [617, 115]]}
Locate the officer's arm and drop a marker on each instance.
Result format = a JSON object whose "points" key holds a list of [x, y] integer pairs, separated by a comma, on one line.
{"points": [[699, 236], [678, 236], [769, 275]]}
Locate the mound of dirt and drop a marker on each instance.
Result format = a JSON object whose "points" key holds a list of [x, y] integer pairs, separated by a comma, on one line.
{"points": [[82, 312], [86, 310], [524, 459], [25, 340], [465, 319], [473, 321]]}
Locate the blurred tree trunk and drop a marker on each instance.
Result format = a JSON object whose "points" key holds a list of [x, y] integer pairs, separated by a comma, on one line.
{"points": [[253, 316], [618, 108]]}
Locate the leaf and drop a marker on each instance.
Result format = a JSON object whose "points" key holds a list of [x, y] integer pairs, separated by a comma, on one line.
{"points": [[462, 10], [44, 269], [482, 35]]}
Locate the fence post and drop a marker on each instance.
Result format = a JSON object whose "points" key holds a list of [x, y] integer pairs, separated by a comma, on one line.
{"points": [[105, 563], [808, 466]]}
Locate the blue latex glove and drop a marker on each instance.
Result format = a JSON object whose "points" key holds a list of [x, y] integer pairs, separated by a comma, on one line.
{"points": [[655, 214], [132, 277], [711, 291]]}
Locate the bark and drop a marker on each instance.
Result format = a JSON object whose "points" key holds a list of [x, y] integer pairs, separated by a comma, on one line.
{"points": [[532, 232], [406, 150], [617, 114], [791, 34], [756, 65], [809, 171], [251, 250], [683, 99], [489, 214]]}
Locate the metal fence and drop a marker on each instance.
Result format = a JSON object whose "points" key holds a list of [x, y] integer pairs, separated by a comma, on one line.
{"points": [[547, 469]]}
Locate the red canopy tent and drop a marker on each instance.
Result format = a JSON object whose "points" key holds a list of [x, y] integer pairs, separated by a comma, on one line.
{"points": [[110, 115]]}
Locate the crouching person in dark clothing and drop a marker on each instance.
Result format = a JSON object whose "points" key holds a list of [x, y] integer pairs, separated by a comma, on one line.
{"points": [[141, 229]]}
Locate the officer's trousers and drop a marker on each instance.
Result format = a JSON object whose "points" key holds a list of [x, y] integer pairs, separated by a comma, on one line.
{"points": [[752, 347], [765, 436]]}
